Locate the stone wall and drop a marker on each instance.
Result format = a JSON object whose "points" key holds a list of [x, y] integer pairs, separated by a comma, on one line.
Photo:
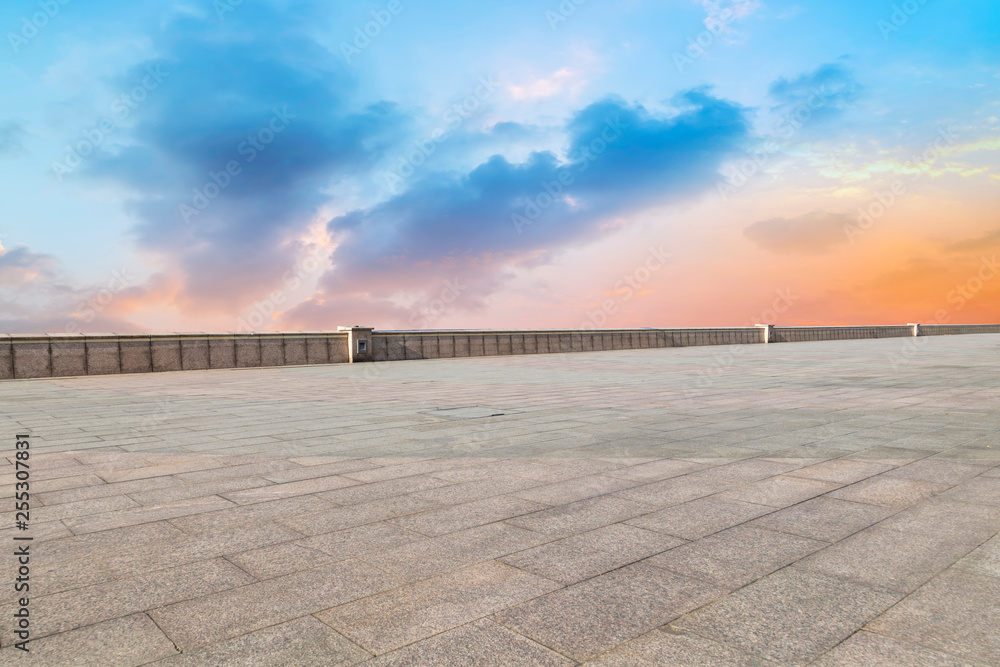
{"points": [[62, 355]]}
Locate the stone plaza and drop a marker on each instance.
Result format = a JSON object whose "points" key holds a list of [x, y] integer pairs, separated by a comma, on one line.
{"points": [[828, 503]]}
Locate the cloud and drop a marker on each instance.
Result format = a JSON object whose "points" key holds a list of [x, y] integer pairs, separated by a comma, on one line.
{"points": [[620, 158], [988, 240], [20, 266], [256, 94], [720, 14], [12, 136], [827, 92], [554, 84], [809, 234], [35, 298]]}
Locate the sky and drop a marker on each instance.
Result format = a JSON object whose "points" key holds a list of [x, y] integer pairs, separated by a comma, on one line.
{"points": [[238, 165]]}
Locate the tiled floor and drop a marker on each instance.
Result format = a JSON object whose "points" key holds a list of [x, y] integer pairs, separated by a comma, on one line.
{"points": [[813, 503]]}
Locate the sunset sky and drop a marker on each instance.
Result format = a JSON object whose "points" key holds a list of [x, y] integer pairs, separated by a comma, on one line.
{"points": [[223, 165]]}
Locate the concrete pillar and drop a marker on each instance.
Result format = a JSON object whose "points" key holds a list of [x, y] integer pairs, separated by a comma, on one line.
{"points": [[766, 331], [359, 342], [915, 328]]}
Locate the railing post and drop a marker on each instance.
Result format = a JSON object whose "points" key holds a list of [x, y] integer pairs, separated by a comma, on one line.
{"points": [[359, 343], [767, 332], [915, 328]]}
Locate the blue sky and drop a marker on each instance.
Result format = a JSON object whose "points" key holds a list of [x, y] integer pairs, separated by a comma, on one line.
{"points": [[260, 164]]}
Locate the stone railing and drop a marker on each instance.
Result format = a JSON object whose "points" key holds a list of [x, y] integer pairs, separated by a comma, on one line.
{"points": [[62, 355]]}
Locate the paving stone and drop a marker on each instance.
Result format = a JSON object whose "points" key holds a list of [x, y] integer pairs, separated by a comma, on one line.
{"points": [[176, 552], [736, 556], [700, 517], [751, 470], [842, 471], [139, 515], [572, 490], [304, 642], [984, 560], [287, 490], [330, 520], [874, 650], [598, 614], [482, 643], [238, 611], [675, 490], [889, 491], [823, 518], [468, 515], [667, 646], [362, 493], [939, 471], [587, 555], [101, 490], [903, 552], [393, 619], [126, 475], [133, 640], [94, 604], [219, 473], [433, 556], [657, 470], [780, 491], [956, 613], [353, 542], [233, 516], [791, 617], [109, 541], [279, 559], [979, 490], [175, 493], [581, 516], [454, 494], [80, 508]]}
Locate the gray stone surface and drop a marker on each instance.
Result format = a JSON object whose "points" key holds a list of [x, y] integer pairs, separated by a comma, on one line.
{"points": [[669, 646], [956, 613], [131, 640], [600, 613], [869, 648], [701, 517], [589, 554], [390, 620], [737, 556], [824, 518], [304, 642], [482, 643], [614, 493], [791, 617]]}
